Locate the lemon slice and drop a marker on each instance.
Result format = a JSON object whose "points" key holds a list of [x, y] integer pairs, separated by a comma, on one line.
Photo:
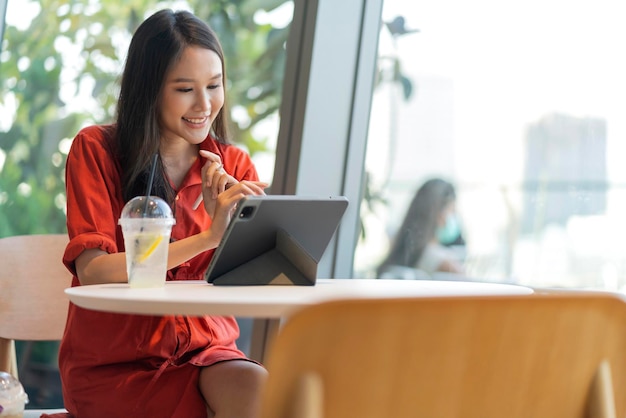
{"points": [[153, 246]]}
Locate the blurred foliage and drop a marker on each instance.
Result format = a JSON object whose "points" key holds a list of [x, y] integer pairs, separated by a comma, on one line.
{"points": [[61, 72], [390, 67]]}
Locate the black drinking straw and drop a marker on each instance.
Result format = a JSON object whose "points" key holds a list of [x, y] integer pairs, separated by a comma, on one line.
{"points": [[149, 186], [145, 208]]}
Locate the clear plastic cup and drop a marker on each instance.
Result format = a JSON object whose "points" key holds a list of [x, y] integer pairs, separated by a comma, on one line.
{"points": [[146, 231], [13, 399]]}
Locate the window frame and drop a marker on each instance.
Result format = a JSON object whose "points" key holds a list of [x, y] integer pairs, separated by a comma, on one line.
{"points": [[327, 93]]}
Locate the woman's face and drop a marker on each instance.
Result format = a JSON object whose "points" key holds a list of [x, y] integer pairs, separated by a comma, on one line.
{"points": [[192, 96], [448, 210]]}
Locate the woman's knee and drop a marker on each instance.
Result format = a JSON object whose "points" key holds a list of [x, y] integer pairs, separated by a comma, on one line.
{"points": [[233, 386], [235, 370]]}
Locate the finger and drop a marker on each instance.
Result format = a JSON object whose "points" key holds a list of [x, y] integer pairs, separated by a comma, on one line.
{"points": [[222, 182], [213, 171], [210, 156], [211, 159], [239, 190], [257, 187], [247, 189], [219, 182]]}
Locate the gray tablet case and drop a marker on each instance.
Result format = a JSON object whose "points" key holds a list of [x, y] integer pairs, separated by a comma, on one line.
{"points": [[276, 239]]}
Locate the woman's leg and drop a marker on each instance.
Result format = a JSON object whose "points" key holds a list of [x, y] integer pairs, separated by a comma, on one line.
{"points": [[232, 389]]}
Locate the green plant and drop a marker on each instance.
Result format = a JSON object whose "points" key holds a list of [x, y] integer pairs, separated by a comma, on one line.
{"points": [[60, 73]]}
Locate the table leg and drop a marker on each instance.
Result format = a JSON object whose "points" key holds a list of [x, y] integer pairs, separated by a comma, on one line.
{"points": [[263, 333]]}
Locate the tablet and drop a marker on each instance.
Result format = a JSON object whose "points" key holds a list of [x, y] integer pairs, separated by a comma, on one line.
{"points": [[276, 239]]}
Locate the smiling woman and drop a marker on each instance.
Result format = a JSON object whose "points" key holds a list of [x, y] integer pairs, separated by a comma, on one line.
{"points": [[71, 81], [170, 106]]}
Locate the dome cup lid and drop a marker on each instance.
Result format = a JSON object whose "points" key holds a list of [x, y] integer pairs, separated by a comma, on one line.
{"points": [[11, 392], [155, 208]]}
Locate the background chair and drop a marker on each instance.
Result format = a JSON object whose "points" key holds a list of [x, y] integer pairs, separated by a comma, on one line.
{"points": [[33, 306], [485, 357]]}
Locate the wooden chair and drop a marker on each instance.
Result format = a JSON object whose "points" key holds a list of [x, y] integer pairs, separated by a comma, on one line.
{"points": [[33, 306], [556, 356]]}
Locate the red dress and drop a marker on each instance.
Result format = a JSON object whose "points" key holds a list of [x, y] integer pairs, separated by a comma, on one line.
{"points": [[116, 365]]}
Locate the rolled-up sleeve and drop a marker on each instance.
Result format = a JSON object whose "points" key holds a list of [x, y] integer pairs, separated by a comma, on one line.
{"points": [[93, 195]]}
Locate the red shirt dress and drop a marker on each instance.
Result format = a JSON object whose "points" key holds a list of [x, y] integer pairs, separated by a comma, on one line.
{"points": [[117, 365]]}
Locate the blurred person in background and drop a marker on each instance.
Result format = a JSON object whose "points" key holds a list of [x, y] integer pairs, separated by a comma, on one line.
{"points": [[422, 248]]}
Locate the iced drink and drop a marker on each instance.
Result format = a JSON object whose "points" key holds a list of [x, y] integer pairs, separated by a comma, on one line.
{"points": [[146, 229], [13, 399]]}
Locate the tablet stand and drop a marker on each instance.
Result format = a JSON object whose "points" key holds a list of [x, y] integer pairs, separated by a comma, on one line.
{"points": [[285, 264]]}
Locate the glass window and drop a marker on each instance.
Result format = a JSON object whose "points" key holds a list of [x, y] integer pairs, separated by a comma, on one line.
{"points": [[519, 106]]}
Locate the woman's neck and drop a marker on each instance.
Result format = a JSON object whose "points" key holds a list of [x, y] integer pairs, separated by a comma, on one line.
{"points": [[177, 159]]}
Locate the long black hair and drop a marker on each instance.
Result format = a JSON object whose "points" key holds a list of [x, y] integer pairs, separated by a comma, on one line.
{"points": [[156, 46], [420, 223]]}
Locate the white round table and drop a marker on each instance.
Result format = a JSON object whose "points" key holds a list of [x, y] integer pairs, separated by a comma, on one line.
{"points": [[270, 301], [268, 304]]}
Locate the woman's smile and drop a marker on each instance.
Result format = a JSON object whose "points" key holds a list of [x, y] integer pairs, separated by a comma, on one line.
{"points": [[197, 122]]}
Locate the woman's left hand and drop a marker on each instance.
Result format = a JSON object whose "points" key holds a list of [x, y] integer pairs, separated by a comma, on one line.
{"points": [[214, 180]]}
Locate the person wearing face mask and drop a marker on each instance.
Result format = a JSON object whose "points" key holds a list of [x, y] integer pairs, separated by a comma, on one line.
{"points": [[422, 246]]}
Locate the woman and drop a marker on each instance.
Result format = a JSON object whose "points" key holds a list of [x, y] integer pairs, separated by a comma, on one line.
{"points": [[171, 103], [429, 226]]}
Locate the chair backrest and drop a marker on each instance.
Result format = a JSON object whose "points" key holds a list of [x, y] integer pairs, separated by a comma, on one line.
{"points": [[482, 357], [33, 306]]}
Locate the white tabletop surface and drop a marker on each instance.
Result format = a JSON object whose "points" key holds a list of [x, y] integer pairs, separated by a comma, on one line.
{"points": [[201, 298]]}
